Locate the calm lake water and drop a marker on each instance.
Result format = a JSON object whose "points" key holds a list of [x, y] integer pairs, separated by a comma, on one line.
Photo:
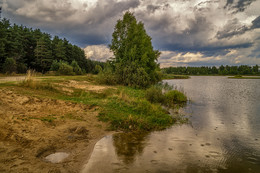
{"points": [[223, 134]]}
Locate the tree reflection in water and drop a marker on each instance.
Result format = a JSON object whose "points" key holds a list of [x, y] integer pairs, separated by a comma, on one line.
{"points": [[129, 145]]}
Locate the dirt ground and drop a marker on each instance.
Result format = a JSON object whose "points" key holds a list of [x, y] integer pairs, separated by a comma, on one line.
{"points": [[31, 128]]}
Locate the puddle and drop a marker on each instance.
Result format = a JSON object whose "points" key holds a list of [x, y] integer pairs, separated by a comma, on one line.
{"points": [[57, 157]]}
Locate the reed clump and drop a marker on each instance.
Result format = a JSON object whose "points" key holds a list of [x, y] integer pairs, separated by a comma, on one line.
{"points": [[30, 81]]}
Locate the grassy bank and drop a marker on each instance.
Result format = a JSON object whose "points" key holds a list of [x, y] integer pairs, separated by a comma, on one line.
{"points": [[123, 107], [173, 76], [244, 77]]}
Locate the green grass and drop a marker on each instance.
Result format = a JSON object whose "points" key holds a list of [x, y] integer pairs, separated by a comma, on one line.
{"points": [[243, 77], [125, 109], [173, 76], [38, 85], [135, 114]]}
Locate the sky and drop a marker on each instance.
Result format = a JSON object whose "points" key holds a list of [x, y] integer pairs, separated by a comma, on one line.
{"points": [[187, 32]]}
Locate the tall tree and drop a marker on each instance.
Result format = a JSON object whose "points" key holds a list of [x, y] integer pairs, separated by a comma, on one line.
{"points": [[135, 61], [43, 54]]}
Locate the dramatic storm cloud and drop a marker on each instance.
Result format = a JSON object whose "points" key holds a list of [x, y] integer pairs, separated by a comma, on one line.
{"points": [[187, 32]]}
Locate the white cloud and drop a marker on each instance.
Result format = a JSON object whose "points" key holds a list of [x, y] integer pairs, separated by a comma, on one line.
{"points": [[98, 52]]}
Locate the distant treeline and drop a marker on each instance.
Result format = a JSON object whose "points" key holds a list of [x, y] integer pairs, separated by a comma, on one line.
{"points": [[222, 70], [23, 48]]}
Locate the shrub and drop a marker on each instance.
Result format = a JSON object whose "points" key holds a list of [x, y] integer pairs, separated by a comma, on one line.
{"points": [[65, 69], [164, 94], [174, 97], [55, 65], [76, 68], [154, 95], [107, 76], [98, 69]]}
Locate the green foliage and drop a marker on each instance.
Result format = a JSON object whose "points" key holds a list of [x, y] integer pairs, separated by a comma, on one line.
{"points": [[43, 53], [65, 69], [37, 50], [243, 77], [170, 97], [174, 97], [134, 63], [55, 65], [107, 76], [155, 95], [172, 76], [9, 66], [76, 69], [98, 69]]}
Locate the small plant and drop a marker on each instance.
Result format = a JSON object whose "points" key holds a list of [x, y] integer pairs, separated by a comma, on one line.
{"points": [[154, 95], [174, 97]]}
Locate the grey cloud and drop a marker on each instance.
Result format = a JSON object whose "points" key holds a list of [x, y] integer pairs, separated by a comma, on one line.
{"points": [[193, 36], [232, 28], [235, 28], [152, 8], [238, 5], [256, 23], [86, 26]]}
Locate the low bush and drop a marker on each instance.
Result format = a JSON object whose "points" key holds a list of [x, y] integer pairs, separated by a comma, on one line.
{"points": [[154, 95], [55, 65], [76, 68], [107, 76], [165, 95], [174, 97], [65, 69]]}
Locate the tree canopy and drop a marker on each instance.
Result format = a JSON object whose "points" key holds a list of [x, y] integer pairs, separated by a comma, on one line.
{"points": [[135, 60], [26, 48]]}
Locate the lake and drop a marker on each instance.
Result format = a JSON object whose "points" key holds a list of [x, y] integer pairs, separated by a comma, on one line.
{"points": [[223, 134]]}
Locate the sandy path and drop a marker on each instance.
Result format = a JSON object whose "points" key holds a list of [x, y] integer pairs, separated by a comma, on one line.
{"points": [[11, 79]]}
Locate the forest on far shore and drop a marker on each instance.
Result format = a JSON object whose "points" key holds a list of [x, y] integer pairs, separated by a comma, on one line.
{"points": [[23, 48], [222, 70]]}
